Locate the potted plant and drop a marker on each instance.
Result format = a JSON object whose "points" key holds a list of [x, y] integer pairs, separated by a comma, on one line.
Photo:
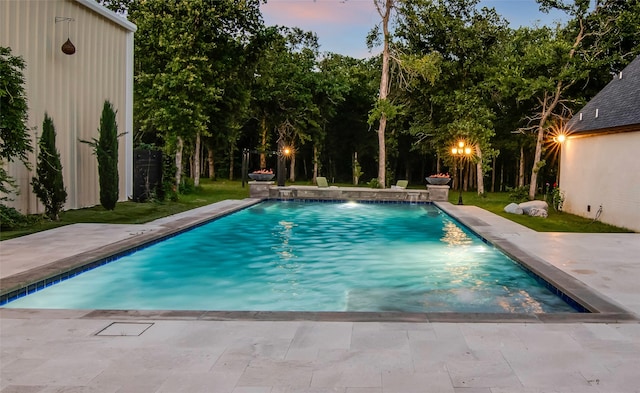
{"points": [[262, 175], [439, 179]]}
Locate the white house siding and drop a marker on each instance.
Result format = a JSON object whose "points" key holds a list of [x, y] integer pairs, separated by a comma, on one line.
{"points": [[72, 88], [603, 170]]}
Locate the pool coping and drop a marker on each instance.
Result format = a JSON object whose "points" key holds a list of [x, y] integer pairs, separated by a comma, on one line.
{"points": [[598, 304], [603, 310]]}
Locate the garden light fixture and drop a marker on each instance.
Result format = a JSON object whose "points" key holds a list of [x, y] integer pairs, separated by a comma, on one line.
{"points": [[283, 153], [461, 151]]}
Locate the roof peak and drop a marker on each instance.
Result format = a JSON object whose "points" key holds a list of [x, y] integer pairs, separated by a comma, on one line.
{"points": [[616, 105]]}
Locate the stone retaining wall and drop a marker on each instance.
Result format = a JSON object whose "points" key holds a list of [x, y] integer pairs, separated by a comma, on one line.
{"points": [[267, 190]]}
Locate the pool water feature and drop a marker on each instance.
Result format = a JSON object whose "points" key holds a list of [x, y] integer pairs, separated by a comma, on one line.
{"points": [[312, 256]]}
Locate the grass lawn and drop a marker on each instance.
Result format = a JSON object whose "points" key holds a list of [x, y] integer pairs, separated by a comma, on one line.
{"points": [[556, 222], [215, 191], [139, 213]]}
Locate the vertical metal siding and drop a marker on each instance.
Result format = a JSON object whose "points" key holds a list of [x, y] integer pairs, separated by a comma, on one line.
{"points": [[71, 89]]}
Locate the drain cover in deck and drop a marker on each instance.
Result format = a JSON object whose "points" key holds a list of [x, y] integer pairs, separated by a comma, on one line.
{"points": [[124, 329]]}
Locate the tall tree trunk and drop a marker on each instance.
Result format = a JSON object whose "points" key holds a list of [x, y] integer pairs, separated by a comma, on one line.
{"points": [[179, 148], [292, 165], [384, 87], [304, 168], [382, 154], [493, 175], [315, 163], [196, 161], [356, 169], [479, 171], [455, 174], [407, 171], [203, 159], [473, 179], [204, 165], [212, 169], [263, 143], [549, 103], [465, 175], [189, 173], [533, 185], [232, 148], [521, 168]]}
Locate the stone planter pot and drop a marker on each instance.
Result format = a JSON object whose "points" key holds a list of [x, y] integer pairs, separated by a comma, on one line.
{"points": [[438, 181], [261, 176]]}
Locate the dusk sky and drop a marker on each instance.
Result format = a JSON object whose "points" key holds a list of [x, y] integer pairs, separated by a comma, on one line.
{"points": [[342, 26]]}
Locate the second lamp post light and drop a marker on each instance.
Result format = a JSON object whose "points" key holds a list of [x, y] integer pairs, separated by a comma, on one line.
{"points": [[460, 151], [283, 153]]}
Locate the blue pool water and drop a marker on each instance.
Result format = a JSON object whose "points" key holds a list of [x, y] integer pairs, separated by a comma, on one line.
{"points": [[302, 256]]}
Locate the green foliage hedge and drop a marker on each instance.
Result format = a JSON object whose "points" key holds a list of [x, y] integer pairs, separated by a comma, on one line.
{"points": [[48, 185]]}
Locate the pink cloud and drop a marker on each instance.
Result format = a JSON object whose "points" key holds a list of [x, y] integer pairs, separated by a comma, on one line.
{"points": [[341, 26], [335, 12]]}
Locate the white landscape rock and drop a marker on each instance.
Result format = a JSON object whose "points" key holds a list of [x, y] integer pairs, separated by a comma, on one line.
{"points": [[535, 208], [535, 212], [513, 208]]}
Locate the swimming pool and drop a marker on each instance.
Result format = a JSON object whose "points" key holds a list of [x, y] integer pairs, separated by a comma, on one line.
{"points": [[302, 256]]}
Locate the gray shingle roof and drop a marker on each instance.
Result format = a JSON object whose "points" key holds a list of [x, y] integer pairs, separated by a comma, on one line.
{"points": [[616, 105]]}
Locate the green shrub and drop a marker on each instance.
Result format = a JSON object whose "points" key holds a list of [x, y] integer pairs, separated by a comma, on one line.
{"points": [[518, 194], [106, 149], [168, 189], [15, 142], [48, 185], [373, 183], [187, 186], [11, 219], [557, 199]]}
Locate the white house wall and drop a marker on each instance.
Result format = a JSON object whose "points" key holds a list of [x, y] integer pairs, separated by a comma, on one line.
{"points": [[71, 89], [603, 170]]}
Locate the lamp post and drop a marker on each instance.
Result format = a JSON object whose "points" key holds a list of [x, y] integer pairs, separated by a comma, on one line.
{"points": [[283, 153], [460, 151]]}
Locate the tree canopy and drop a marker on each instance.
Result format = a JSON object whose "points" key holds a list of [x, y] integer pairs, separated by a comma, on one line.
{"points": [[211, 79], [14, 133]]}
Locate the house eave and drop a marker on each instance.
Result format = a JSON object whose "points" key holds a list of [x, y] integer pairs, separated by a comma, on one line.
{"points": [[112, 16], [605, 131]]}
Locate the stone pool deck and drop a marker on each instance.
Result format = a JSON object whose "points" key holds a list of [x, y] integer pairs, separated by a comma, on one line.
{"points": [[101, 351]]}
